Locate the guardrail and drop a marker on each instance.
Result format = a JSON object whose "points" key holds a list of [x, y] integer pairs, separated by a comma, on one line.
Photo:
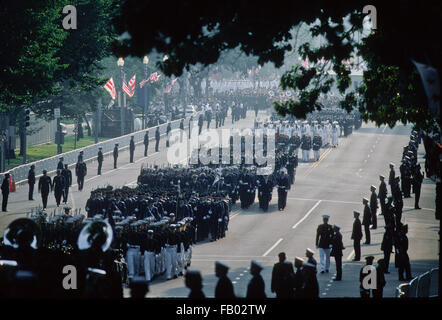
{"points": [[20, 173], [423, 286]]}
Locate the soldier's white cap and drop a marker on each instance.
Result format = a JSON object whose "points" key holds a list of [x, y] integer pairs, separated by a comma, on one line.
{"points": [[299, 259], [336, 226], [356, 212], [325, 216], [364, 199], [391, 164], [221, 265], [310, 250], [382, 177], [373, 187], [256, 264], [150, 231]]}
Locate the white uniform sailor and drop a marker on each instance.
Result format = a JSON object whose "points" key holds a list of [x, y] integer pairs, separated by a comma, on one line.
{"points": [[335, 134]]}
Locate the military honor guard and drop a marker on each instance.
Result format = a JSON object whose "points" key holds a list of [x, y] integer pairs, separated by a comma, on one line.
{"points": [[256, 286], [336, 251], [100, 159], [374, 207], [31, 182], [382, 193], [283, 186], [80, 172], [131, 149], [324, 235], [67, 175], [224, 287], [44, 187], [356, 235], [115, 155], [146, 142]]}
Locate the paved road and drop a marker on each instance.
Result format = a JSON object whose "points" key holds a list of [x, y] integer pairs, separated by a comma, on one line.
{"points": [[334, 185]]}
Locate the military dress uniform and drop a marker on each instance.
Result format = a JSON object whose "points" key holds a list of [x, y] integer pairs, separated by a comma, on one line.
{"points": [[67, 174], [324, 235], [366, 221], [44, 186], [131, 149], [317, 143], [100, 159]]}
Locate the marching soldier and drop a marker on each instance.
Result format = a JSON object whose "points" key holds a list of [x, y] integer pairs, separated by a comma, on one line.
{"points": [[337, 247], [146, 142], [224, 287], [115, 155], [317, 143], [157, 139], [80, 172], [31, 182], [283, 186], [356, 235], [265, 188], [366, 220], [44, 186], [382, 193], [100, 160], [374, 207], [131, 149], [306, 146], [282, 275], [5, 192], [67, 175], [324, 235], [256, 287], [59, 185]]}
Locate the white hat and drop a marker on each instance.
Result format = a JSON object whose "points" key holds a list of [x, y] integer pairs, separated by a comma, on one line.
{"points": [[357, 212], [310, 250], [373, 187], [336, 226], [365, 199], [256, 264], [392, 164]]}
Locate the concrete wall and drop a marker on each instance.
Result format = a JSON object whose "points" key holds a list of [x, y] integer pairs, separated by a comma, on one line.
{"points": [[20, 173]]}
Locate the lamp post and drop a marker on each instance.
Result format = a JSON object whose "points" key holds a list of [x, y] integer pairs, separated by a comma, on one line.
{"points": [[145, 62], [120, 63]]}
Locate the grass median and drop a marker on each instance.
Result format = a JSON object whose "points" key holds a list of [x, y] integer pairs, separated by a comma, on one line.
{"points": [[48, 150]]}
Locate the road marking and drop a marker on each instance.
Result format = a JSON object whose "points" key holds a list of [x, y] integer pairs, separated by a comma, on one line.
{"points": [[315, 164], [384, 129], [308, 213], [351, 255], [233, 215], [272, 247]]}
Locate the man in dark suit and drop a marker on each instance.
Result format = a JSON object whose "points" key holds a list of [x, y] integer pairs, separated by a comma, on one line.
{"points": [[5, 191], [31, 182], [366, 220], [67, 175], [132, 149], [256, 286], [80, 172], [282, 278], [224, 287], [337, 247], [115, 154], [146, 142], [60, 164], [59, 185], [356, 236], [100, 159], [44, 186]]}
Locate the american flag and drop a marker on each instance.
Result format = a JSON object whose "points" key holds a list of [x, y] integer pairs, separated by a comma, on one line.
{"points": [[143, 82], [110, 87], [154, 77], [169, 87], [304, 63], [129, 89]]}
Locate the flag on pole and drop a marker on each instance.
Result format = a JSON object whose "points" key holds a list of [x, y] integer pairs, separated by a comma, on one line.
{"points": [[154, 77], [110, 87], [129, 89], [169, 87], [143, 82]]}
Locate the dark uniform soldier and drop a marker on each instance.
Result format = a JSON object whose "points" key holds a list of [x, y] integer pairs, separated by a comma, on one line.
{"points": [[401, 259], [200, 123], [366, 220], [168, 129], [387, 246], [5, 192], [224, 287], [67, 175], [382, 193], [80, 172], [283, 186], [115, 154], [298, 279], [256, 286], [157, 139], [131, 149], [418, 177], [60, 164], [337, 247], [392, 174], [31, 182], [100, 160], [265, 187], [282, 278], [44, 186], [356, 236], [146, 142], [194, 282], [324, 234], [59, 185], [374, 207]]}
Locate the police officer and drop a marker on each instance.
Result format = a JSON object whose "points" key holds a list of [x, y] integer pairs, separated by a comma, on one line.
{"points": [[256, 286], [5, 192], [224, 287], [80, 172], [131, 149], [100, 159], [324, 235], [366, 220], [146, 142], [59, 185], [44, 186], [115, 154], [31, 182], [157, 138], [374, 207], [356, 235], [67, 175], [337, 247]]}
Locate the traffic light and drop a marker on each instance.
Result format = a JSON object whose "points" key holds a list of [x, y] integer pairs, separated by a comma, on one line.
{"points": [[27, 118]]}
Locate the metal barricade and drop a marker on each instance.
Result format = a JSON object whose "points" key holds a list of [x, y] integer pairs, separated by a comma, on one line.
{"points": [[423, 285]]}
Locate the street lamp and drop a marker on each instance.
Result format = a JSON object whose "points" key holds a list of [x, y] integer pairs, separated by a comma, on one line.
{"points": [[145, 62], [120, 63]]}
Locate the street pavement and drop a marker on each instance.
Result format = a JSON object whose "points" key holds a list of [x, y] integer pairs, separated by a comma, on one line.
{"points": [[334, 185]]}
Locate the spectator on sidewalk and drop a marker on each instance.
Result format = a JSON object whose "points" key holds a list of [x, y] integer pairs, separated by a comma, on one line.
{"points": [[44, 187], [31, 182], [5, 192], [282, 278], [67, 174]]}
